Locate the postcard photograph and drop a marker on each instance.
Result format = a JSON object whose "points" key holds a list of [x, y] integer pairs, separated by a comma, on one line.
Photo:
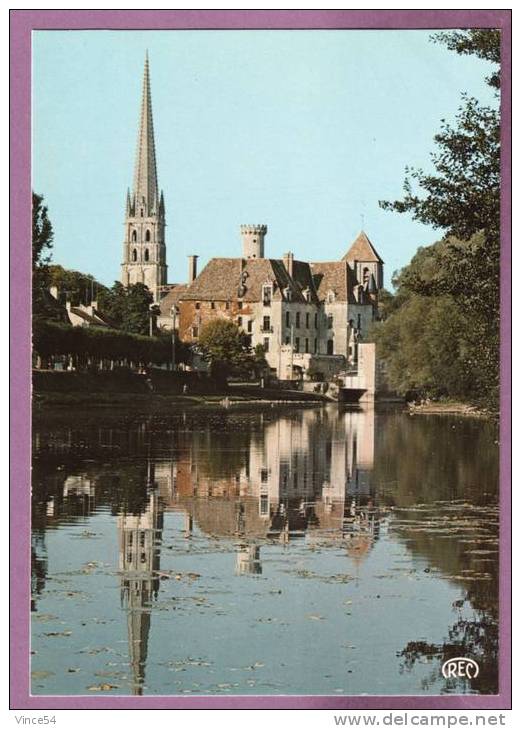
{"points": [[265, 362]]}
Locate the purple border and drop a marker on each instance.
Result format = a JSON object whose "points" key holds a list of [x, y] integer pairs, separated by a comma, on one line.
{"points": [[22, 22]]}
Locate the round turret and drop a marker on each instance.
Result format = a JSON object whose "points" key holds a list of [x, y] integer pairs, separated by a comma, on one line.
{"points": [[253, 240]]}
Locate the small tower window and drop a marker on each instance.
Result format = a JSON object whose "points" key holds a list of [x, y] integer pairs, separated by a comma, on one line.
{"points": [[365, 275], [147, 236], [134, 236], [147, 254], [134, 255]]}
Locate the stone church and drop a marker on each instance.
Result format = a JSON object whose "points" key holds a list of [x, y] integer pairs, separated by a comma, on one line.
{"points": [[308, 316]]}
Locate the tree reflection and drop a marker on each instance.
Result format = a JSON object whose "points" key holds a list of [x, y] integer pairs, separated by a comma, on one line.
{"points": [[476, 638]]}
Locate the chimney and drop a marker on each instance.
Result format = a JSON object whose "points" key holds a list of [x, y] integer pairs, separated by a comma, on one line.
{"points": [[192, 268], [288, 263]]}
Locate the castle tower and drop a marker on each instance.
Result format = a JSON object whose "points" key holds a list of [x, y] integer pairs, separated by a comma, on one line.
{"points": [[144, 250], [253, 240], [364, 260]]}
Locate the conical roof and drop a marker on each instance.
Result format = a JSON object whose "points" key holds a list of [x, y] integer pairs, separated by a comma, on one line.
{"points": [[362, 250]]}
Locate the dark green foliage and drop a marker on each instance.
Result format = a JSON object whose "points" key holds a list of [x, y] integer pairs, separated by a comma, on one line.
{"points": [[74, 286], [260, 364], [425, 348], [89, 346], [42, 233], [44, 305], [128, 308], [460, 274], [440, 336], [226, 347], [461, 195], [484, 43]]}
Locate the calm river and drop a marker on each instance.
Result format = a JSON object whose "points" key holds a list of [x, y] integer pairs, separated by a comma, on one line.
{"points": [[274, 551]]}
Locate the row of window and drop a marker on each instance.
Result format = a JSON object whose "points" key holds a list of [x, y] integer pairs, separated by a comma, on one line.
{"points": [[266, 321], [212, 305], [268, 329], [298, 320], [306, 345], [146, 256], [147, 236]]}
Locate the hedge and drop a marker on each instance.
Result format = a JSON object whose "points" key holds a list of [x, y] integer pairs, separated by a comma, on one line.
{"points": [[51, 339]]}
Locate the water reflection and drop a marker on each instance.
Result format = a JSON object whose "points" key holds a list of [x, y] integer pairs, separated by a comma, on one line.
{"points": [[328, 479], [139, 539]]}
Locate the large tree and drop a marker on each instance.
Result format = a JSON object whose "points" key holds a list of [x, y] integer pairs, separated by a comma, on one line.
{"points": [[460, 195], [44, 306], [127, 308], [226, 347]]}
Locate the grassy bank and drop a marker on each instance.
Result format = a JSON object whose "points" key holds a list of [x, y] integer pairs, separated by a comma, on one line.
{"points": [[158, 390]]}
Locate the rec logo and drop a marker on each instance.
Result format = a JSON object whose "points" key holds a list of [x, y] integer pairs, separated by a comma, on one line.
{"points": [[460, 668]]}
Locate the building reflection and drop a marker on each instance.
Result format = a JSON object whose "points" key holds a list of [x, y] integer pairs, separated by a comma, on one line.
{"points": [[305, 475], [308, 474], [139, 539]]}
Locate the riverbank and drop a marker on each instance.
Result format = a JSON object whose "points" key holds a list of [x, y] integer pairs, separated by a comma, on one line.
{"points": [[449, 408], [154, 401], [154, 391]]}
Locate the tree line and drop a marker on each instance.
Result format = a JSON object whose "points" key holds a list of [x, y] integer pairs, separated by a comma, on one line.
{"points": [[439, 334], [98, 348]]}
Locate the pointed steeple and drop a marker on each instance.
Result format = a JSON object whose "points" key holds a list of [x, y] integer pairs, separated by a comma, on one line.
{"points": [[145, 175]]}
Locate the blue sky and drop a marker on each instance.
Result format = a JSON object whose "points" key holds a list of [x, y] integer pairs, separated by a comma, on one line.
{"points": [[302, 130]]}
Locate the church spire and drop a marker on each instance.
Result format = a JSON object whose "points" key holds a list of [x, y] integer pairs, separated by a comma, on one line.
{"points": [[145, 175], [144, 249]]}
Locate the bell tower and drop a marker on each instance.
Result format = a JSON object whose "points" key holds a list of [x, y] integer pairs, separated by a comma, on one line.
{"points": [[144, 250]]}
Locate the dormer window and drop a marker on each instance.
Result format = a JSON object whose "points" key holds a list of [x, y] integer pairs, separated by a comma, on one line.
{"points": [[307, 294], [287, 293], [267, 294], [330, 298]]}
